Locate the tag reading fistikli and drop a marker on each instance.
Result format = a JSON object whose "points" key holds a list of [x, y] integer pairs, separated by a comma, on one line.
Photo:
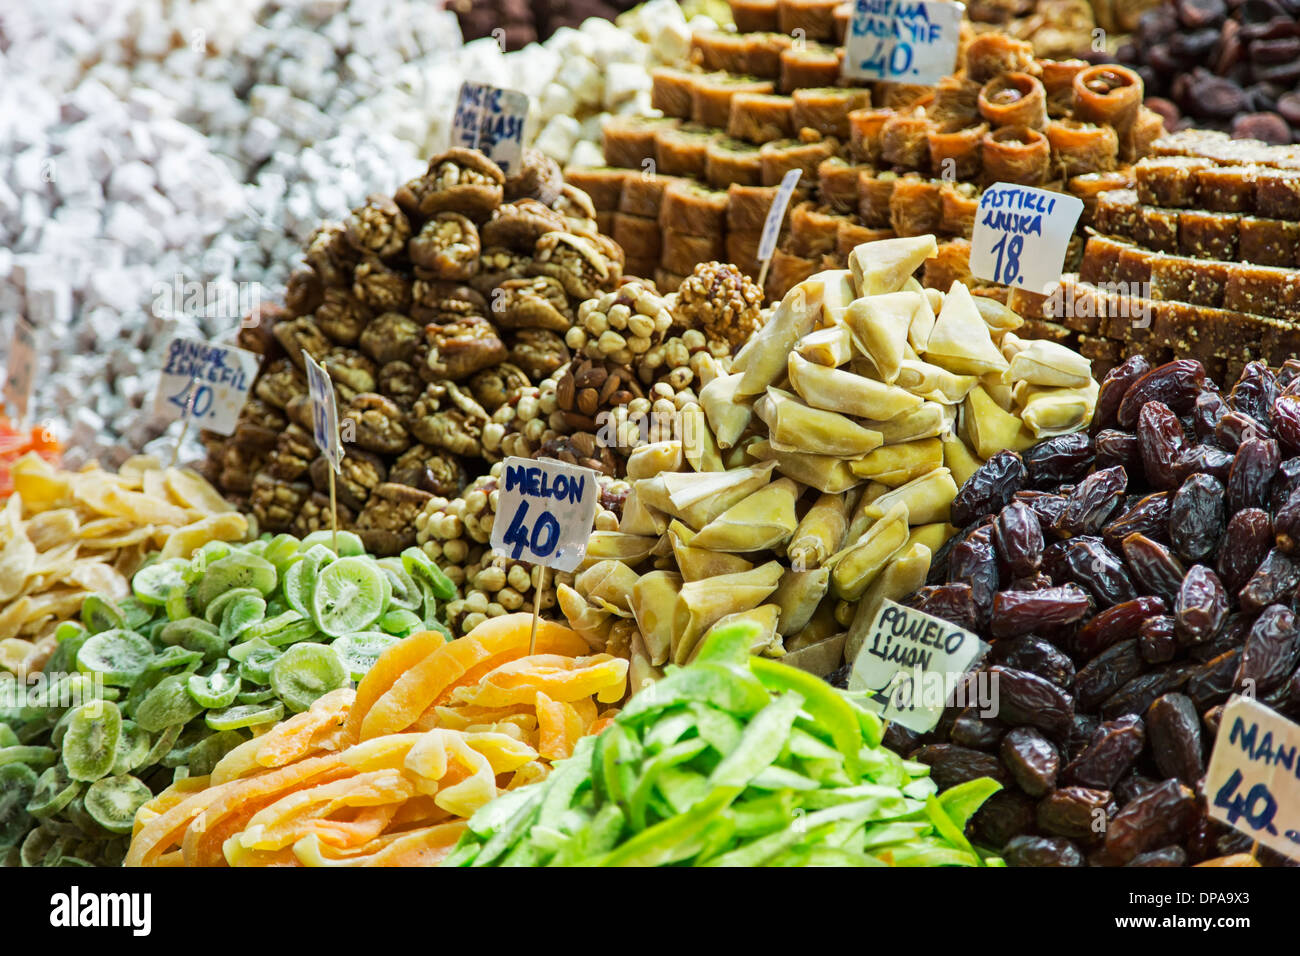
{"points": [[1253, 781], [1021, 235], [911, 666], [20, 370], [491, 120], [545, 512], [212, 380], [324, 412], [902, 42]]}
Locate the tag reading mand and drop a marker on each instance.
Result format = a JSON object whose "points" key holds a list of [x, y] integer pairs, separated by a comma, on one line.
{"points": [[910, 664], [1021, 234], [220, 375], [20, 370], [491, 120], [1253, 782], [545, 512], [901, 41], [324, 412]]}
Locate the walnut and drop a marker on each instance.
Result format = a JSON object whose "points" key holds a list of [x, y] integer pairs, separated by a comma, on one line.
{"points": [[574, 203], [256, 329], [299, 411], [262, 414], [295, 450], [378, 423], [350, 371], [390, 337], [538, 352], [341, 316], [539, 177], [584, 267], [445, 301], [493, 387], [519, 225], [460, 180], [254, 436], [498, 265], [276, 503], [360, 473], [314, 515], [536, 303], [447, 417], [279, 383], [304, 292], [330, 255], [238, 463], [386, 524], [400, 382], [721, 301], [380, 286], [456, 350], [379, 227], [299, 334], [447, 247], [429, 469]]}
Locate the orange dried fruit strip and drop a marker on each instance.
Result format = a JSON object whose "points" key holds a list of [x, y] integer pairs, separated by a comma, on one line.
{"points": [[297, 813], [427, 846], [559, 678], [294, 738], [390, 666]]}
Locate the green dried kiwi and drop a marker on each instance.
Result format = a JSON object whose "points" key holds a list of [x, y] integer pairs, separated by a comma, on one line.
{"points": [[255, 659], [135, 613], [360, 651], [172, 658], [38, 758], [118, 656], [217, 606], [300, 580], [7, 736], [405, 593], [196, 634], [179, 602], [257, 547], [90, 744], [41, 847], [168, 703], [99, 613], [161, 747], [17, 784], [240, 615], [349, 543], [69, 637], [282, 551], [295, 632], [204, 755], [239, 569], [113, 802], [216, 689], [207, 555], [149, 680], [244, 715], [132, 749], [255, 696], [191, 736], [420, 566], [272, 625], [306, 672], [153, 582], [400, 622], [54, 791]]}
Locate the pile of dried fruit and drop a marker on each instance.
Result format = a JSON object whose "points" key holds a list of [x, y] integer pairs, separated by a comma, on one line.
{"points": [[432, 312], [65, 535], [814, 479], [385, 774], [15, 443], [1129, 581], [208, 650], [732, 761]]}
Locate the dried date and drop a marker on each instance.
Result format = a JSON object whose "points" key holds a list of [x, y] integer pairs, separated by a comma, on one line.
{"points": [[1027, 699], [1003, 817], [1201, 606], [1092, 502], [1273, 581], [1176, 384], [971, 730], [1119, 623], [1115, 448], [1055, 461], [1077, 812], [1161, 816], [1113, 750], [1042, 851], [1033, 654], [1019, 612], [1174, 728], [1206, 413], [974, 562], [1032, 759], [1270, 653], [1018, 537], [1203, 460], [951, 764], [1114, 386], [952, 602], [1196, 517], [1090, 563], [1246, 542], [1165, 856], [1235, 427], [1285, 419], [1107, 673], [1046, 507], [1148, 516], [1137, 695], [1255, 392], [1154, 566], [1286, 481], [1212, 681], [1252, 471], [1156, 640], [990, 488], [1160, 441]]}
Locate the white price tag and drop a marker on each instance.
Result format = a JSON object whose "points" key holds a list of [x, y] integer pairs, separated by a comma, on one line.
{"points": [[20, 370], [903, 41], [545, 512], [324, 412], [910, 665], [1253, 782], [491, 120], [1021, 235], [213, 379], [776, 215]]}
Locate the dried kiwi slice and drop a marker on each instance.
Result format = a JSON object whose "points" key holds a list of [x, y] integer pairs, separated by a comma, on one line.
{"points": [[38, 758], [217, 689], [360, 651], [162, 746], [17, 784], [131, 749], [217, 606], [99, 613], [420, 566], [255, 663], [244, 715], [239, 569], [168, 703], [305, 672], [175, 657], [55, 789], [118, 656], [350, 544], [90, 744], [204, 755], [113, 801], [152, 583], [400, 621], [406, 594], [240, 615], [349, 596]]}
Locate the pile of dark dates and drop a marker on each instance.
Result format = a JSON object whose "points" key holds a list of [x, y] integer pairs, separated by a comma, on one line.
{"points": [[1128, 580]]}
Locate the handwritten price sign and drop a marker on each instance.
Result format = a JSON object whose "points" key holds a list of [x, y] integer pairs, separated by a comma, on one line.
{"points": [[324, 412], [20, 371], [491, 120], [1253, 782], [545, 512], [901, 41], [211, 380], [1021, 235]]}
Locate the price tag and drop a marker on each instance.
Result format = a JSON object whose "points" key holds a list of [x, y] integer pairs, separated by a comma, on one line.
{"points": [[772, 224], [911, 665], [20, 371], [902, 41], [545, 512], [491, 120], [1253, 782], [220, 376], [1021, 234], [324, 412]]}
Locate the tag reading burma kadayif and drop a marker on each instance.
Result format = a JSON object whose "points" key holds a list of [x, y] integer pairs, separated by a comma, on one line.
{"points": [[911, 663], [545, 511], [491, 120], [1253, 781], [218, 376], [902, 41], [324, 412], [1021, 235]]}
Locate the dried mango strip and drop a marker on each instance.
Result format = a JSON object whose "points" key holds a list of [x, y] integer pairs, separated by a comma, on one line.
{"points": [[424, 847], [297, 736], [439, 757], [388, 669], [559, 727], [559, 678], [169, 828], [296, 814]]}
